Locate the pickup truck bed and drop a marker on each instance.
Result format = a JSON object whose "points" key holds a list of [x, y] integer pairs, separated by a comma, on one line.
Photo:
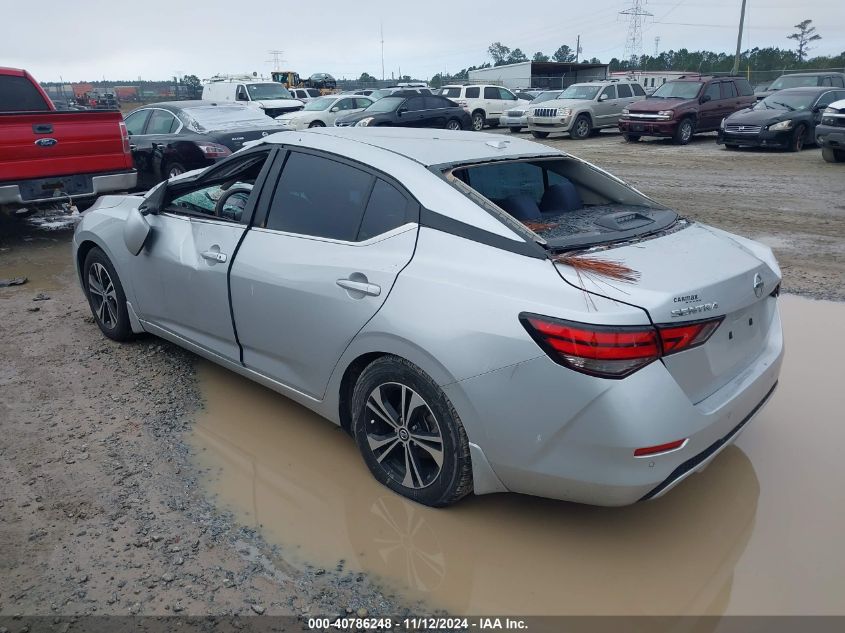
{"points": [[47, 154]]}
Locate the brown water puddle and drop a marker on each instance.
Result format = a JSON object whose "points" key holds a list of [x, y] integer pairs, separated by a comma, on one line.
{"points": [[42, 256], [759, 531]]}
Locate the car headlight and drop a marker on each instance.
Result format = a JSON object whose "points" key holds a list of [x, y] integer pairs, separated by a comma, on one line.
{"points": [[722, 124], [666, 113], [364, 122], [565, 112], [831, 111], [783, 125], [626, 111]]}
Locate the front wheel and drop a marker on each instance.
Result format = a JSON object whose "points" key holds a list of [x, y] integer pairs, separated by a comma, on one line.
{"points": [[409, 434], [105, 296], [477, 121], [537, 134], [796, 143], [833, 155], [453, 124], [731, 146], [581, 128], [683, 134], [174, 169], [514, 130], [317, 124]]}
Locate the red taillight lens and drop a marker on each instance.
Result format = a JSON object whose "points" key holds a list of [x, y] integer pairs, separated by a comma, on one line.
{"points": [[660, 448], [213, 150], [124, 136], [612, 351]]}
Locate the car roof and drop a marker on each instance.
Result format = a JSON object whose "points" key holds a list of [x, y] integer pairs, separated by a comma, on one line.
{"points": [[805, 90], [425, 146], [822, 73], [193, 103]]}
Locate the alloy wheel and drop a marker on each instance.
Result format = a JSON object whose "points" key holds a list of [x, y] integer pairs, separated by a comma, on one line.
{"points": [[103, 295], [686, 131], [582, 128], [403, 435], [453, 125], [175, 171], [477, 122]]}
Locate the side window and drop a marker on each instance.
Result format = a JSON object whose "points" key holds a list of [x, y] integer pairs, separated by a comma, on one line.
{"points": [[491, 92], [826, 82], [507, 95], [319, 197], [838, 81], [638, 89], [713, 91], [826, 99], [135, 121], [434, 103], [386, 210], [415, 103], [362, 103], [313, 92], [744, 87], [473, 93], [346, 104], [610, 91], [624, 91], [728, 89], [161, 122], [241, 95]]}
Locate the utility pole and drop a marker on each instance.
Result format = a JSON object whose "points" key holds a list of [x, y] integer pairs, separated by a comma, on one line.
{"points": [[735, 69], [381, 31], [656, 45], [578, 48], [634, 42]]}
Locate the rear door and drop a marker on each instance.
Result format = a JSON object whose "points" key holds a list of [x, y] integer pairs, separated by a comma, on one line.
{"points": [[437, 109], [318, 266], [414, 113], [148, 145], [180, 278]]}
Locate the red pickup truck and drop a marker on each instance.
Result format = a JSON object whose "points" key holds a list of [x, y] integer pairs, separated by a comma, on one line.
{"points": [[50, 155]]}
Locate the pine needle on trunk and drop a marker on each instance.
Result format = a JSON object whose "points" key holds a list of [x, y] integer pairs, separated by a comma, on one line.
{"points": [[589, 266]]}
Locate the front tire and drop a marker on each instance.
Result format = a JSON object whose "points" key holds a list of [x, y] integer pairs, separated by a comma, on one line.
{"points": [[581, 128], [514, 130], [409, 434], [537, 134], [317, 124], [454, 125], [174, 169], [833, 155], [105, 296], [478, 121], [631, 138], [796, 143], [684, 132]]}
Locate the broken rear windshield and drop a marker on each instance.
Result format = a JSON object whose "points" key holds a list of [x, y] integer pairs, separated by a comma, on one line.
{"points": [[567, 203]]}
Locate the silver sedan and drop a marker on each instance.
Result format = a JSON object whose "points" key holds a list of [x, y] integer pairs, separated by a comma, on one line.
{"points": [[481, 315]]}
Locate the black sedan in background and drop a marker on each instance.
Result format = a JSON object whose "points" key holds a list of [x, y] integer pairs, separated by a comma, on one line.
{"points": [[168, 139], [410, 109], [786, 119]]}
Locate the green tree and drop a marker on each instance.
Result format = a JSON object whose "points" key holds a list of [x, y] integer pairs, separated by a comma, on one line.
{"points": [[803, 36], [193, 85], [564, 54], [540, 56], [516, 57], [499, 52], [366, 78]]}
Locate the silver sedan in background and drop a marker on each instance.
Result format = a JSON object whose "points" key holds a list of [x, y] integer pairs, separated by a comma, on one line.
{"points": [[481, 315]]}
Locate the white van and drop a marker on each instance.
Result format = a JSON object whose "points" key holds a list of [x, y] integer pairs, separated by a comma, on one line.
{"points": [[268, 95]]}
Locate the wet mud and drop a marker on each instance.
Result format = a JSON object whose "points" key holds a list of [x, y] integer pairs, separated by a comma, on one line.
{"points": [[757, 532]]}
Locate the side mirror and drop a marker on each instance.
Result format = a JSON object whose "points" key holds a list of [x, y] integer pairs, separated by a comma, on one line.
{"points": [[401, 111], [705, 99], [603, 97], [334, 109], [136, 230], [154, 203]]}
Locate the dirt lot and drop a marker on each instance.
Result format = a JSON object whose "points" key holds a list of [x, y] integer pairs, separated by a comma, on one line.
{"points": [[104, 510]]}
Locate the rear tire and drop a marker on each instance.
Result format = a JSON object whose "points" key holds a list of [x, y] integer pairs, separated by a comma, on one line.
{"points": [[683, 133], [731, 146], [174, 169], [453, 124], [317, 124], [477, 120], [581, 128], [796, 143], [105, 296], [409, 434], [537, 134], [833, 155]]}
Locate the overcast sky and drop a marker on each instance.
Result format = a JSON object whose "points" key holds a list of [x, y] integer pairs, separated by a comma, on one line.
{"points": [[156, 39]]}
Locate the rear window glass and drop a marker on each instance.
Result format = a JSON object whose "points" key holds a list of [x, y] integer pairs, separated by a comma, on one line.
{"points": [[17, 94]]}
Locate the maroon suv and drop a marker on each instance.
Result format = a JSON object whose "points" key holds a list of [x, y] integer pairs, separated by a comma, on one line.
{"points": [[685, 106]]}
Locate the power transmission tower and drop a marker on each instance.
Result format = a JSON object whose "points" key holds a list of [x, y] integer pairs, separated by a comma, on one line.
{"points": [[381, 31], [657, 45], [277, 59], [634, 43]]}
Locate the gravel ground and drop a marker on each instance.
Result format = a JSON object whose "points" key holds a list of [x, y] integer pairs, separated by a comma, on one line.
{"points": [[100, 507]]}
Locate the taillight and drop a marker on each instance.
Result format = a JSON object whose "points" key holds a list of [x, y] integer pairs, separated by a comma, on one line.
{"points": [[213, 150], [612, 351], [124, 137]]}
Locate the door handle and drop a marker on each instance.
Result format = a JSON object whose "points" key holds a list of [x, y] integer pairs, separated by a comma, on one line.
{"points": [[360, 286], [214, 256], [132, 147]]}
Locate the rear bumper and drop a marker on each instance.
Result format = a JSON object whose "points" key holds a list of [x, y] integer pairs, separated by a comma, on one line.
{"points": [[648, 128], [61, 188], [762, 139], [829, 136], [507, 121], [551, 432]]}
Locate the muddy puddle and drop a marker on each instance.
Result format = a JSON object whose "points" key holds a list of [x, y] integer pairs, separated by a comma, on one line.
{"points": [[38, 248], [758, 532]]}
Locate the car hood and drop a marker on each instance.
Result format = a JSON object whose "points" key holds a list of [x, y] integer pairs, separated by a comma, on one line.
{"points": [[288, 104], [563, 103], [657, 104], [759, 117]]}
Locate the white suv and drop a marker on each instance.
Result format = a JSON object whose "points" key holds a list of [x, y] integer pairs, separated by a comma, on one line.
{"points": [[485, 103]]}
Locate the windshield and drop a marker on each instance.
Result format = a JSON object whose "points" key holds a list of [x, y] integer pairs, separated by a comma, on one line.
{"points": [[323, 103], [204, 118], [546, 96], [387, 104], [257, 92], [788, 102], [567, 203], [678, 90], [795, 81], [580, 92]]}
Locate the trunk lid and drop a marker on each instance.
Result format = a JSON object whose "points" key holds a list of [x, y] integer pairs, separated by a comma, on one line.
{"points": [[690, 275], [235, 139]]}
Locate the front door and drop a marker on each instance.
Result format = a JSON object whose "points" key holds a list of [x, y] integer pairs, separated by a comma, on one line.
{"points": [[605, 107], [310, 276], [181, 276], [710, 112]]}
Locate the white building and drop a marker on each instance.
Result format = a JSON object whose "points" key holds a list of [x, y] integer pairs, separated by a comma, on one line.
{"points": [[551, 75], [651, 80]]}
